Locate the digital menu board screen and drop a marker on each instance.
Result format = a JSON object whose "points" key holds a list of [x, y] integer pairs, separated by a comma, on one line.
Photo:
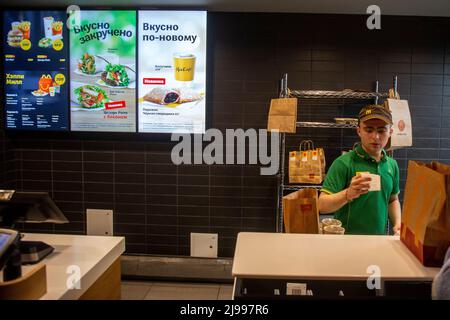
{"points": [[172, 71], [35, 70], [103, 71]]}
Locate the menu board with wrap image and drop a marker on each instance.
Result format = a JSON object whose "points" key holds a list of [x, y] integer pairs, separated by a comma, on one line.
{"points": [[172, 71], [35, 70], [103, 71]]}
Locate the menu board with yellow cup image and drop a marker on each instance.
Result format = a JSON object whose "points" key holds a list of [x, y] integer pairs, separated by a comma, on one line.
{"points": [[36, 64], [172, 71]]}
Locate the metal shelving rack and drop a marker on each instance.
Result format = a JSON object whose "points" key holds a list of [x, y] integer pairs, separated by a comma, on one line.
{"points": [[330, 125], [315, 95], [344, 94]]}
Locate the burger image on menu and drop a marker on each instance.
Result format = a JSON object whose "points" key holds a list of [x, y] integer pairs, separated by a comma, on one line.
{"points": [[14, 38], [19, 31]]}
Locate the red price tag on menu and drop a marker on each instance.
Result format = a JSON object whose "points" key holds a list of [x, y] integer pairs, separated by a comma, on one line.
{"points": [[115, 105], [154, 81]]}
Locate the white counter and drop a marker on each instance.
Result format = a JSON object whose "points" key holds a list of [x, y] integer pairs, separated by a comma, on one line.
{"points": [[316, 256], [92, 254]]}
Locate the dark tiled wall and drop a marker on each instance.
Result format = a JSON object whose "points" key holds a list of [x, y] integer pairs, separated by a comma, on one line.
{"points": [[157, 204]]}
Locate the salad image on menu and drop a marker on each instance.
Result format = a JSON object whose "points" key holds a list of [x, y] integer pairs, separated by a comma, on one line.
{"points": [[172, 71], [53, 32], [35, 70], [103, 71]]}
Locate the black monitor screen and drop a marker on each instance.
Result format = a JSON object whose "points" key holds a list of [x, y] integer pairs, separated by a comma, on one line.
{"points": [[4, 239], [35, 45], [31, 207], [7, 237]]}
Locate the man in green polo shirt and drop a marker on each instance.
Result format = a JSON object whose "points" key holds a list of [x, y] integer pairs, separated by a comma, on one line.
{"points": [[346, 192]]}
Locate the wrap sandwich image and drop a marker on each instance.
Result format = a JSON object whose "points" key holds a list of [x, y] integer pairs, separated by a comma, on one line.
{"points": [[90, 97], [117, 75], [92, 64], [87, 64]]}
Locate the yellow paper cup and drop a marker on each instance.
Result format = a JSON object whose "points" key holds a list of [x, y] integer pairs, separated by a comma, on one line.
{"points": [[184, 66]]}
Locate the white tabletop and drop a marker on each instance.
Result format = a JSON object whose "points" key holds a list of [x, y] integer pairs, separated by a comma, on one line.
{"points": [[92, 254], [317, 256]]}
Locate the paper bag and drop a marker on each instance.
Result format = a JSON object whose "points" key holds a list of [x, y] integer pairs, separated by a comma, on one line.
{"points": [[300, 211], [322, 161], [283, 115], [402, 126], [307, 165], [425, 227]]}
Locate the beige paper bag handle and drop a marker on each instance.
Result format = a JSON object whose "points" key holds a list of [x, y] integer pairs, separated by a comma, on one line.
{"points": [[308, 144], [393, 95]]}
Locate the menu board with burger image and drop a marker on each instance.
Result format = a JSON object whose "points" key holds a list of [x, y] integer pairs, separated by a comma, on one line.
{"points": [[34, 36], [35, 70], [103, 71]]}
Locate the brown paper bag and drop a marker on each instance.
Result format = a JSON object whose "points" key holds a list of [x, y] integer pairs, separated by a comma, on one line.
{"points": [[401, 119], [283, 115], [300, 211], [322, 161], [425, 227], [307, 165]]}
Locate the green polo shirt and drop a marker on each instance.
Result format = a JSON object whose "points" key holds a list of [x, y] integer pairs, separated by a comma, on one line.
{"points": [[367, 214]]}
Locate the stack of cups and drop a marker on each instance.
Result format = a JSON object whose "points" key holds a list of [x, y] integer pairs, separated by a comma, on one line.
{"points": [[332, 226]]}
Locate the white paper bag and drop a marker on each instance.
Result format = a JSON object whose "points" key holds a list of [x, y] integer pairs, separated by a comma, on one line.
{"points": [[402, 127]]}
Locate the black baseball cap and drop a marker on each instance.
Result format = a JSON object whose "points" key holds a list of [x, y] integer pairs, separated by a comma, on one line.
{"points": [[375, 111]]}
